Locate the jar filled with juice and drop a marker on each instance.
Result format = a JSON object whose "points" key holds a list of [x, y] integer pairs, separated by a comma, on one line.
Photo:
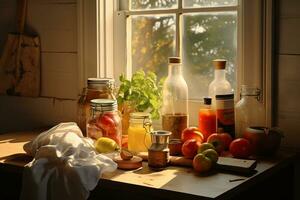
{"points": [[207, 119], [140, 126]]}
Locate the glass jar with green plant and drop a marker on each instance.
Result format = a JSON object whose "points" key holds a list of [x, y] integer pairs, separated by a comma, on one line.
{"points": [[141, 93]]}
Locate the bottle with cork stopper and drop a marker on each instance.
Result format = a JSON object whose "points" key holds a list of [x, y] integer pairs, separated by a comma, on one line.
{"points": [[219, 86], [175, 100]]}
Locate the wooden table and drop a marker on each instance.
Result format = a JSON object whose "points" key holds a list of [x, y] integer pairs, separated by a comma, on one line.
{"points": [[274, 178]]}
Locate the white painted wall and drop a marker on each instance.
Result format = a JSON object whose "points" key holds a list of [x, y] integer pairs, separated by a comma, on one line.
{"points": [[55, 21]]}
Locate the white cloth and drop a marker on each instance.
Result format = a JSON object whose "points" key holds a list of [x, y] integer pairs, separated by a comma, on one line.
{"points": [[65, 165]]}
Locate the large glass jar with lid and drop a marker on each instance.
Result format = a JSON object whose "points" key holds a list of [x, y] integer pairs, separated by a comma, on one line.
{"points": [[175, 100], [140, 126], [104, 120], [97, 88], [249, 111]]}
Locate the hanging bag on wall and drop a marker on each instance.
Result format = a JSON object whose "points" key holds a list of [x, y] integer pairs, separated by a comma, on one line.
{"points": [[20, 66]]}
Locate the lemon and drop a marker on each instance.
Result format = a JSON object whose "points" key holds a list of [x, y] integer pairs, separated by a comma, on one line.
{"points": [[106, 145]]}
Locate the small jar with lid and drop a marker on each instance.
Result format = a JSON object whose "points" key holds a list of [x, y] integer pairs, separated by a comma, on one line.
{"points": [[97, 88], [104, 120], [140, 126]]}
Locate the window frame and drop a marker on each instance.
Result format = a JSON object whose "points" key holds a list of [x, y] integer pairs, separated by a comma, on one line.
{"points": [[107, 56]]}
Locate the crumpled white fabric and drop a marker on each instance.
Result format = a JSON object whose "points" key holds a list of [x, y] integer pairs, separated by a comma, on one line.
{"points": [[65, 165]]}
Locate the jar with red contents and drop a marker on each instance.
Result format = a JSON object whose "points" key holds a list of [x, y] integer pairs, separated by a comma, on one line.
{"points": [[97, 88], [207, 119], [105, 120]]}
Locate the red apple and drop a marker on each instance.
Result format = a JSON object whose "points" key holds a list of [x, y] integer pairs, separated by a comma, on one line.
{"points": [[216, 140], [240, 148], [202, 163], [191, 133], [257, 137], [227, 139], [190, 147]]}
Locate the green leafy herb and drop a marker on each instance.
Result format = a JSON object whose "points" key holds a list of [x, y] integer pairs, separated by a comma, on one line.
{"points": [[144, 91]]}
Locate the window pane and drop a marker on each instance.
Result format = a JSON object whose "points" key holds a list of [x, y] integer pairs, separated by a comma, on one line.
{"points": [[206, 37], [152, 42], [152, 4], [209, 3]]}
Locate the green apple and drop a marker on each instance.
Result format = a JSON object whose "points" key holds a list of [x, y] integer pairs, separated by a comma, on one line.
{"points": [[211, 154], [205, 146], [202, 163]]}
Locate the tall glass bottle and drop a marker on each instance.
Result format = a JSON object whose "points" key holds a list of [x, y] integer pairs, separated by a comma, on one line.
{"points": [[219, 86], [175, 100], [249, 111]]}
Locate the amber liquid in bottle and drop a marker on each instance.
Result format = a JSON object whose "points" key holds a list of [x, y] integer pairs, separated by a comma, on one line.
{"points": [[175, 124]]}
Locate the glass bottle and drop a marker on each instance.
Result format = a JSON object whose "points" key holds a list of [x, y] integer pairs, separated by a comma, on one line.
{"points": [[140, 126], [207, 119], [96, 89], [219, 85], [175, 100], [249, 111], [104, 120]]}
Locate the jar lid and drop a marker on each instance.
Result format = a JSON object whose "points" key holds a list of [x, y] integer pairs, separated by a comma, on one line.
{"points": [[250, 91], [174, 60], [96, 82], [219, 63], [207, 100], [139, 115], [104, 104]]}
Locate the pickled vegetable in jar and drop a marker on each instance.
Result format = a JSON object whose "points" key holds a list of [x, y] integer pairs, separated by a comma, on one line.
{"points": [[104, 120], [96, 89], [140, 126]]}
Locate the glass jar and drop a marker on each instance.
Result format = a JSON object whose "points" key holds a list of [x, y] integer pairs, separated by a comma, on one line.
{"points": [[140, 126], [175, 100], [96, 89], [249, 111], [207, 119], [219, 85], [104, 120]]}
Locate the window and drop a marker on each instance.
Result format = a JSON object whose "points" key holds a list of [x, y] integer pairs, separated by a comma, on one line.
{"points": [[111, 40], [198, 31]]}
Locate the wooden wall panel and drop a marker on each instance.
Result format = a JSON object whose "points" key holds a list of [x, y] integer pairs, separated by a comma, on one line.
{"points": [[56, 25], [289, 36], [288, 79], [289, 8], [59, 75], [25, 113]]}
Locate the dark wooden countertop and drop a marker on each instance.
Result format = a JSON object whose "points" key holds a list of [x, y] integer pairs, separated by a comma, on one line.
{"points": [[173, 182]]}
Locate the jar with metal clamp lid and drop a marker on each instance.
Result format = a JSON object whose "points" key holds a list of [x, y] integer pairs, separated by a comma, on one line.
{"points": [[97, 88], [140, 126], [249, 111], [104, 120]]}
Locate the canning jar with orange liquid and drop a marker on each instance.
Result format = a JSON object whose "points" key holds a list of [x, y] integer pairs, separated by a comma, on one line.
{"points": [[140, 126]]}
